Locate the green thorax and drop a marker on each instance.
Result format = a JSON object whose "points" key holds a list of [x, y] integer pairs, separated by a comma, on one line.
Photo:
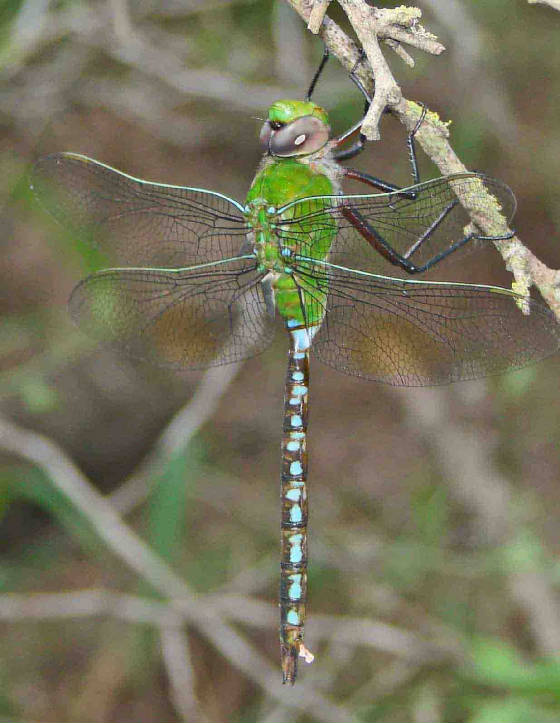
{"points": [[282, 180], [279, 182]]}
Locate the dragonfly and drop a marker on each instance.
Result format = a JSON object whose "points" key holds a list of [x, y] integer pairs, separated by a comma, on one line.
{"points": [[197, 279]]}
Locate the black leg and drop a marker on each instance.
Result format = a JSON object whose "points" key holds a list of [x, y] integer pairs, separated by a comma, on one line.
{"points": [[375, 182], [431, 228], [403, 260], [318, 73], [357, 82], [352, 151], [359, 145], [412, 146]]}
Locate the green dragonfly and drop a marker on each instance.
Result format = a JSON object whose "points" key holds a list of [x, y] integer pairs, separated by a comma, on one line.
{"points": [[197, 279]]}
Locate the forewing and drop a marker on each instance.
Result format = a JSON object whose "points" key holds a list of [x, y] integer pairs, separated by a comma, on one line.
{"points": [[437, 213], [411, 333], [191, 318], [135, 222]]}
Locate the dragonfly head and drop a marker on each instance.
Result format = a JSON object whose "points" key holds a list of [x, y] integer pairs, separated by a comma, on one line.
{"points": [[294, 128]]}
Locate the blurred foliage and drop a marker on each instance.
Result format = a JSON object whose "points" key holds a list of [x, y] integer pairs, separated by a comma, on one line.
{"points": [[391, 538]]}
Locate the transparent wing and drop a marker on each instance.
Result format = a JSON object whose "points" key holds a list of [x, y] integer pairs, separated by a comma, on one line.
{"points": [[134, 221], [184, 318], [414, 333], [437, 215]]}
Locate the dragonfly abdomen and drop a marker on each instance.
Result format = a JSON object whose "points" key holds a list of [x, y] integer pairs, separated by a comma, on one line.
{"points": [[293, 578]]}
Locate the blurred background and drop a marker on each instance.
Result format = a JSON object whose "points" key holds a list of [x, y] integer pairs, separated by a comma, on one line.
{"points": [[434, 577]]}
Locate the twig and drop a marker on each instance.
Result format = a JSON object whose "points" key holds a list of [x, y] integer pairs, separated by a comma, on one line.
{"points": [[121, 20], [398, 25], [387, 92], [472, 74], [150, 106], [90, 28], [288, 41], [279, 714], [352, 631], [317, 15], [16, 607]]}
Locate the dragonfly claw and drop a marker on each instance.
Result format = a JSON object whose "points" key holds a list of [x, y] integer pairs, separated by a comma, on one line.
{"points": [[306, 654]]}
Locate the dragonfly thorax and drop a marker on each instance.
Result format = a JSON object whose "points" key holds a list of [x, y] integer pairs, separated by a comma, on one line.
{"points": [[258, 212], [262, 238]]}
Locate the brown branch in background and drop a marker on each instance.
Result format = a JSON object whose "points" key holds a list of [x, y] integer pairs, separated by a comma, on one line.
{"points": [[68, 479], [400, 25], [472, 74], [155, 56], [175, 437], [353, 632], [175, 651]]}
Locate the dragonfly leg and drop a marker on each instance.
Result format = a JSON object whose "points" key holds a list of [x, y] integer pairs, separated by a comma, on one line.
{"points": [[352, 150], [358, 83], [411, 145], [359, 145], [318, 73], [375, 182], [431, 228], [403, 260]]}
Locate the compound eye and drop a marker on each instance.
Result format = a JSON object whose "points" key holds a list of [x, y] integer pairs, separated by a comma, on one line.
{"points": [[304, 135], [265, 134]]}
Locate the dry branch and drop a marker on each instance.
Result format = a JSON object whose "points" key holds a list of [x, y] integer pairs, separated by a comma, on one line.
{"points": [[350, 631], [317, 15]]}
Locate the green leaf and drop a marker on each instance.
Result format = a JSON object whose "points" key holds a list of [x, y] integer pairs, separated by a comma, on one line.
{"points": [[167, 506], [498, 664], [512, 710]]}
